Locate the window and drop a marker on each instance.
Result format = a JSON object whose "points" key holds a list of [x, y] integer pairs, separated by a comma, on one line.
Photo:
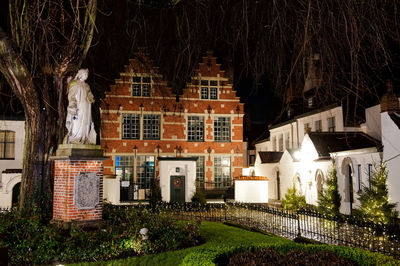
{"points": [[141, 86], [310, 102], [222, 129], [222, 171], [281, 142], [200, 171], [130, 126], [287, 141], [209, 89], [144, 171], [195, 128], [369, 174], [318, 125], [274, 144], [331, 124], [124, 168], [7, 144], [359, 177], [307, 128], [151, 126]]}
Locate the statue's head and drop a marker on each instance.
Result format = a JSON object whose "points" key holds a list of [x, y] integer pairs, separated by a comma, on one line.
{"points": [[82, 74]]}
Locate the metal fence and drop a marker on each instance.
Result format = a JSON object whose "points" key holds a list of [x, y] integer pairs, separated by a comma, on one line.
{"points": [[343, 230]]}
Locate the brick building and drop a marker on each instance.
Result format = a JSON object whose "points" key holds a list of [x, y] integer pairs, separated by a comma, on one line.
{"points": [[143, 120]]}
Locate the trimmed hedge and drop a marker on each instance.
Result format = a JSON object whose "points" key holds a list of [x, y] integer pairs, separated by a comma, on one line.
{"points": [[219, 255]]}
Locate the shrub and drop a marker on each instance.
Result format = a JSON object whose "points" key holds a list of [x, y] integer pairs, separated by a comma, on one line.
{"points": [[374, 199], [32, 240], [329, 200], [199, 196], [293, 200]]}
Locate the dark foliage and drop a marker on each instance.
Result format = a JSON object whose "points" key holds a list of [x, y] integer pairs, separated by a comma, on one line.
{"points": [[295, 257], [32, 240]]}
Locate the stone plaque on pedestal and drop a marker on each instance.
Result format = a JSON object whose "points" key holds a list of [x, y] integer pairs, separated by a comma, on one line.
{"points": [[86, 194]]}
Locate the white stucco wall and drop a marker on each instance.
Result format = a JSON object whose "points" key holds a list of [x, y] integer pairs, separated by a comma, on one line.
{"points": [[168, 169], [336, 112], [391, 149], [373, 122], [251, 191], [10, 180], [19, 128], [357, 157], [111, 189]]}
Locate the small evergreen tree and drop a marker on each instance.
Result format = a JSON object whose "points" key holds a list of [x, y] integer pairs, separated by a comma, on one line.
{"points": [[155, 196], [374, 199], [293, 200], [329, 200]]}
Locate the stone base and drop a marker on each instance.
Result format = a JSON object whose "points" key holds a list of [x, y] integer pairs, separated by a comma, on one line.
{"points": [[79, 151], [87, 224]]}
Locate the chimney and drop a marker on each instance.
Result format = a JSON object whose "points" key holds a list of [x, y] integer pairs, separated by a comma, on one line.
{"points": [[389, 101]]}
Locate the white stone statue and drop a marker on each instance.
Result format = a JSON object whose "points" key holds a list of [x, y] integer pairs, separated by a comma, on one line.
{"points": [[79, 117]]}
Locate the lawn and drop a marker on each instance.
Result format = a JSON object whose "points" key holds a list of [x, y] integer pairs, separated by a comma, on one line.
{"points": [[214, 234], [223, 241]]}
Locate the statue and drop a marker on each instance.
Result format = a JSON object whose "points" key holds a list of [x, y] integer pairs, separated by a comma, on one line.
{"points": [[79, 115]]}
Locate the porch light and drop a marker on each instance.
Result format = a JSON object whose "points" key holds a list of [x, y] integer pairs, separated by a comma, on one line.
{"points": [[135, 150], [141, 109]]}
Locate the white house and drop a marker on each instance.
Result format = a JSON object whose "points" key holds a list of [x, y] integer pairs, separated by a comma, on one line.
{"points": [[12, 138], [299, 152]]}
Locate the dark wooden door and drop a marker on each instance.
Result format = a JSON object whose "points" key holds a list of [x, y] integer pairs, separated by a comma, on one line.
{"points": [[177, 189]]}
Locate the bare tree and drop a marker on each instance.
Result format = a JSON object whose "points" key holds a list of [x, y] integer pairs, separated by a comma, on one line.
{"points": [[48, 41]]}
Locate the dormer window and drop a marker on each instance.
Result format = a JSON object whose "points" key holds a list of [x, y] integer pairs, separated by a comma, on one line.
{"points": [[310, 102], [141, 86], [209, 89]]}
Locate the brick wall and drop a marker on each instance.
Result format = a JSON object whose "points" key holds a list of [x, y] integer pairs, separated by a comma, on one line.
{"points": [[174, 117], [65, 172]]}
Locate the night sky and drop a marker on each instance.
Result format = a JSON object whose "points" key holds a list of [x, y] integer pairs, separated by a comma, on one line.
{"points": [[261, 44]]}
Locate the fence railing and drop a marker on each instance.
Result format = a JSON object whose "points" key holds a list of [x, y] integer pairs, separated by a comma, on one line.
{"points": [[343, 230]]}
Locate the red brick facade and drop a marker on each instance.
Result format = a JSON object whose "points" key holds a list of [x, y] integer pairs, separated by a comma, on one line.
{"points": [[65, 172], [174, 115]]}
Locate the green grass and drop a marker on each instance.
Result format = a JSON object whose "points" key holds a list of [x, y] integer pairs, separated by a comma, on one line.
{"points": [[222, 241], [214, 235]]}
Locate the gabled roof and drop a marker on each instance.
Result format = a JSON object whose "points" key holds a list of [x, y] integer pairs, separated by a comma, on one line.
{"points": [[327, 142], [270, 156], [395, 116], [292, 154]]}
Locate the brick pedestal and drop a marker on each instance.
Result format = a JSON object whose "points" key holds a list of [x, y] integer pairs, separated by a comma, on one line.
{"points": [[78, 185]]}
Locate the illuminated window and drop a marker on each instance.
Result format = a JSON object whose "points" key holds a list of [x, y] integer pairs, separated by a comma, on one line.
{"points": [[7, 144], [307, 128], [141, 86], [209, 89], [222, 171], [200, 173], [195, 128], [281, 142], [222, 129], [151, 126], [130, 126], [287, 141], [144, 171], [318, 125], [331, 124]]}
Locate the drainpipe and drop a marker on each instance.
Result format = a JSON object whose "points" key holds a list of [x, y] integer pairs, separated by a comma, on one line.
{"points": [[297, 132]]}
